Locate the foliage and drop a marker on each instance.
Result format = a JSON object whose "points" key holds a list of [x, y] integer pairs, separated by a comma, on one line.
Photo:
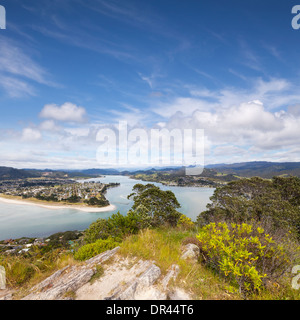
{"points": [[164, 245], [159, 205], [151, 207], [22, 269], [185, 222], [192, 240], [97, 202], [267, 201], [98, 274], [244, 253], [61, 239], [92, 249], [160, 244], [117, 226]]}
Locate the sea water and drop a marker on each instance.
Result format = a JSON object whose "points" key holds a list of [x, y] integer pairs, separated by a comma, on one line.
{"points": [[18, 221]]}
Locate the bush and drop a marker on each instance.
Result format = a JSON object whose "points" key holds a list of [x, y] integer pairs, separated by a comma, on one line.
{"points": [[185, 223], [275, 203], [244, 253], [191, 240], [117, 226], [92, 249]]}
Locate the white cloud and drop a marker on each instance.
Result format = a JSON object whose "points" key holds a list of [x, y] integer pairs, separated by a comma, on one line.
{"points": [[68, 112], [30, 134], [14, 61], [16, 88], [17, 67], [49, 125], [240, 131]]}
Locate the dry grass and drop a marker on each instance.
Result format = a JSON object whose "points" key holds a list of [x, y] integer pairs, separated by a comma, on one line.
{"points": [[22, 273], [165, 247]]}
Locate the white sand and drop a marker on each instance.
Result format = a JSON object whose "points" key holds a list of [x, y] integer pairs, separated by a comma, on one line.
{"points": [[58, 207]]}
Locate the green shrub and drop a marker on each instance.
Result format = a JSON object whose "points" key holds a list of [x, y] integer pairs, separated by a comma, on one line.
{"points": [[244, 253], [185, 223], [117, 226], [92, 249]]}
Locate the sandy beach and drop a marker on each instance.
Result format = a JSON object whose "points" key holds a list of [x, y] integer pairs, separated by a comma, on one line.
{"points": [[57, 207]]}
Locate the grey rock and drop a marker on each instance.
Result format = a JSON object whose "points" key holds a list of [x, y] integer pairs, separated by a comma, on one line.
{"points": [[138, 286], [179, 294], [68, 279], [190, 251], [172, 274]]}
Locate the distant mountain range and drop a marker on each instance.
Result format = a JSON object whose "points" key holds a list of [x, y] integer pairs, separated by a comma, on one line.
{"points": [[246, 169], [259, 168]]}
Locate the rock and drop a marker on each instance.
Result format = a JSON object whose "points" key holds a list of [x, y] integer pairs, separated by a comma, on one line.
{"points": [[172, 274], [5, 295], [137, 288], [67, 280], [179, 294], [118, 276], [152, 293], [149, 277], [122, 279], [190, 251], [101, 257]]}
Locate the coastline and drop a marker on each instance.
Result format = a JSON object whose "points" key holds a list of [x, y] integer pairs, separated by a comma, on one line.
{"points": [[111, 207]]}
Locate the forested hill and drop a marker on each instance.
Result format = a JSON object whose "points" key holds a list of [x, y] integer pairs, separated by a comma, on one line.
{"points": [[259, 169], [7, 173]]}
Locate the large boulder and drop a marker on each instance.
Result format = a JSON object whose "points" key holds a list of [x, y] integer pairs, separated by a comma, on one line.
{"points": [[190, 251]]}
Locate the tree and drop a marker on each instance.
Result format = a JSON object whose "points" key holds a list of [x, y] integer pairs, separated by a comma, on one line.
{"points": [[271, 202], [160, 206]]}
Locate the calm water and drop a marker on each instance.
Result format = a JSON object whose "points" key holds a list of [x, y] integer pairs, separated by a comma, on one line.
{"points": [[29, 221]]}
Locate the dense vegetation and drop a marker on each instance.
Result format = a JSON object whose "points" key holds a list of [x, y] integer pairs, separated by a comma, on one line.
{"points": [[248, 239], [274, 203]]}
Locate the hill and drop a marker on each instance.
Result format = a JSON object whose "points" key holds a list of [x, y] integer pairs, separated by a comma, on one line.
{"points": [[7, 173], [259, 168]]}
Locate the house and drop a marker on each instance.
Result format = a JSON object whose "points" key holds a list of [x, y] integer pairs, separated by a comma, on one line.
{"points": [[8, 241], [23, 250]]}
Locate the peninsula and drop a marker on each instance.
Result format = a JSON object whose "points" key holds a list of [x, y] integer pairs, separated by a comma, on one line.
{"points": [[57, 194]]}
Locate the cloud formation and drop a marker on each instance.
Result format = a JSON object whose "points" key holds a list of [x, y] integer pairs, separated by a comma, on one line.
{"points": [[67, 112]]}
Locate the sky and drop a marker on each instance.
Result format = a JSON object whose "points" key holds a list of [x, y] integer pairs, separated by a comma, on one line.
{"points": [[71, 67]]}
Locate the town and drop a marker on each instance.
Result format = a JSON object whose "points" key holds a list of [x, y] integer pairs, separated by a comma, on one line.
{"points": [[58, 190]]}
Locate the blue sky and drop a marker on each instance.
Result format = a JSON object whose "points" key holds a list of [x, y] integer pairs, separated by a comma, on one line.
{"points": [[69, 67]]}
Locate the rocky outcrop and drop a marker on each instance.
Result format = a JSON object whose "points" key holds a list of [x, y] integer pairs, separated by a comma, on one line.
{"points": [[121, 279], [68, 279]]}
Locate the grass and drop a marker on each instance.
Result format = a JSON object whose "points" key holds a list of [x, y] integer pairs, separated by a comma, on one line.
{"points": [[165, 247], [98, 274], [23, 272]]}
